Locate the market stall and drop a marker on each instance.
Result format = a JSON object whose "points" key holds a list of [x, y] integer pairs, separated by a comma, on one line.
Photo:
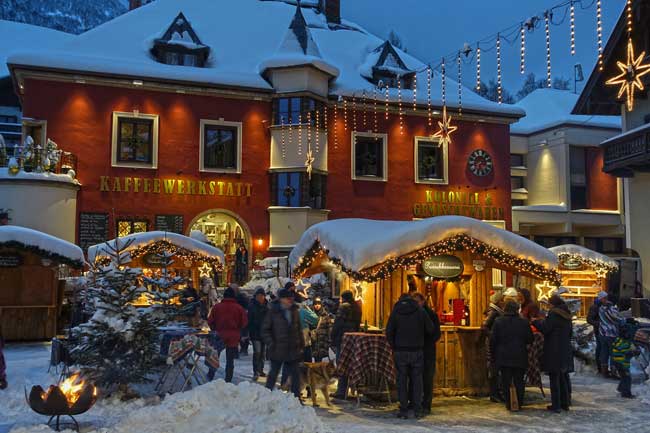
{"points": [[584, 273], [156, 252], [449, 258], [30, 289]]}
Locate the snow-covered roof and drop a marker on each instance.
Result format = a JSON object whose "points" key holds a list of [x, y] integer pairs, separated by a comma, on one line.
{"points": [[44, 176], [244, 37], [40, 243], [138, 240], [360, 243], [548, 108], [585, 254], [20, 37]]}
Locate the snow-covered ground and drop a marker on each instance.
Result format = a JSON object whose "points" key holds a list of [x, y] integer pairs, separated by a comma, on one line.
{"points": [[248, 408]]}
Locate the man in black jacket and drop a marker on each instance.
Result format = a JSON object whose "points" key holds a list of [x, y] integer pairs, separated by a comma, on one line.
{"points": [[429, 351], [406, 329], [257, 311], [510, 336], [593, 318], [348, 319]]}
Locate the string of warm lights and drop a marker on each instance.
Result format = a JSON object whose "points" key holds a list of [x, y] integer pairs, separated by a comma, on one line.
{"points": [[325, 121], [522, 49], [547, 32], [399, 104], [499, 78], [283, 147], [599, 32], [572, 25], [374, 109], [345, 114], [336, 126], [460, 84], [628, 13], [478, 67], [386, 98], [429, 116], [309, 129], [415, 92], [461, 242], [595, 264], [161, 247], [44, 254], [443, 81], [363, 108], [299, 133], [354, 112]]}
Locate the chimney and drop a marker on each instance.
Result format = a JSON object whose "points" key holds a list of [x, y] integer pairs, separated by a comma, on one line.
{"points": [[332, 10], [134, 4]]}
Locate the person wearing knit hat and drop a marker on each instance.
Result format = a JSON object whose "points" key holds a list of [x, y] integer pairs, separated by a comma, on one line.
{"points": [[496, 298]]}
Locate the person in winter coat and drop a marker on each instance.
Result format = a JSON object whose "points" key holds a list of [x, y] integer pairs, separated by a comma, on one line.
{"points": [[244, 302], [191, 304], [510, 336], [348, 319], [609, 321], [406, 329], [308, 321], [529, 308], [321, 340], [257, 310], [282, 334], [593, 318], [623, 350], [228, 318], [3, 365], [429, 351], [494, 311], [557, 360]]}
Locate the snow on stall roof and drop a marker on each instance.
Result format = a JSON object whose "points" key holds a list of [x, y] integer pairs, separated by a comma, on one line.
{"points": [[246, 33], [19, 36], [584, 252], [42, 241], [140, 239], [547, 108], [362, 243]]}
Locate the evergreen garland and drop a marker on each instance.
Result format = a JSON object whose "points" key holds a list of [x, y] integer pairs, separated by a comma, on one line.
{"points": [[77, 264]]}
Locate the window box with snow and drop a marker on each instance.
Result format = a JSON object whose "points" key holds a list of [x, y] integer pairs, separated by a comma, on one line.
{"points": [[220, 149], [134, 140], [431, 162], [369, 156]]}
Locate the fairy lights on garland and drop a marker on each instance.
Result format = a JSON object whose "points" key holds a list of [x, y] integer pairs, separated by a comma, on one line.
{"points": [[600, 266], [450, 245], [165, 247]]}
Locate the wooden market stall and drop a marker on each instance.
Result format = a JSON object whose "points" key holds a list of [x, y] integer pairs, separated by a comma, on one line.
{"points": [[157, 251], [584, 273], [30, 289], [450, 259]]}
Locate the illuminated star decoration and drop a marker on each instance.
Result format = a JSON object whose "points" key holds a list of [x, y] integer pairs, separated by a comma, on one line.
{"points": [[545, 291], [205, 271], [445, 131], [309, 163], [630, 75]]}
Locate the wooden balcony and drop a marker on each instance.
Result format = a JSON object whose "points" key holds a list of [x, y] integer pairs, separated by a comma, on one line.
{"points": [[627, 152]]}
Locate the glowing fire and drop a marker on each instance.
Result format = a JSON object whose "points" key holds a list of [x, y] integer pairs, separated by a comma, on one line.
{"points": [[71, 388]]}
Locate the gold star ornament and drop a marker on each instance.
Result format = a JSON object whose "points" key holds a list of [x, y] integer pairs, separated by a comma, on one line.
{"points": [[630, 75], [446, 129], [205, 271], [545, 291], [309, 163]]}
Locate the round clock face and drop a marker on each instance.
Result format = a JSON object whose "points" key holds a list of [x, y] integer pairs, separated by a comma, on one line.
{"points": [[480, 163]]}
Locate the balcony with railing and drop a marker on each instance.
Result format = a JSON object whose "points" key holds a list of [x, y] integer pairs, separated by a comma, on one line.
{"points": [[627, 152], [33, 161]]}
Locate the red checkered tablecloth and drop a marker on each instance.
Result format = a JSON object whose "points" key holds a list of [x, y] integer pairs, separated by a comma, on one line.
{"points": [[364, 356]]}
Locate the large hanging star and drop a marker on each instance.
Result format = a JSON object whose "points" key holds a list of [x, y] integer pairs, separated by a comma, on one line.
{"points": [[630, 76], [445, 131], [545, 291], [309, 163], [205, 271]]}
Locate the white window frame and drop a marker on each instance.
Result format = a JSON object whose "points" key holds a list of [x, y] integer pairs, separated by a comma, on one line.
{"points": [[384, 138], [28, 122], [220, 122], [154, 145], [445, 162]]}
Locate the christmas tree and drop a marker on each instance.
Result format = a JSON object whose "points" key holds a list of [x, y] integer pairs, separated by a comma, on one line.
{"points": [[118, 346]]}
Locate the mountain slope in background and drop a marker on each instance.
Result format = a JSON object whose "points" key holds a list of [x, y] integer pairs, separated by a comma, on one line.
{"points": [[72, 16]]}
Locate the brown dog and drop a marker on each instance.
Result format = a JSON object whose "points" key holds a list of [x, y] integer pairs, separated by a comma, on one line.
{"points": [[318, 376]]}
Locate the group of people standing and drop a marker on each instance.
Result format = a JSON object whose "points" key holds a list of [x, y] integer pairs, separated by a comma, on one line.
{"points": [[412, 332], [510, 326], [614, 341]]}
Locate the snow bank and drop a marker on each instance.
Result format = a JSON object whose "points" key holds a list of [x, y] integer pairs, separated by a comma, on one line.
{"points": [[362, 243], [140, 239], [44, 176], [585, 253], [547, 108], [218, 407], [47, 244]]}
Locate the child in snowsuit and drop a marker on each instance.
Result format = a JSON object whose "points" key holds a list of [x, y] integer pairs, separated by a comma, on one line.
{"points": [[623, 350]]}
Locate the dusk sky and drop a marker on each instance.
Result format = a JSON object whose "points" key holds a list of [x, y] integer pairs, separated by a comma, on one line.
{"points": [[430, 29]]}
